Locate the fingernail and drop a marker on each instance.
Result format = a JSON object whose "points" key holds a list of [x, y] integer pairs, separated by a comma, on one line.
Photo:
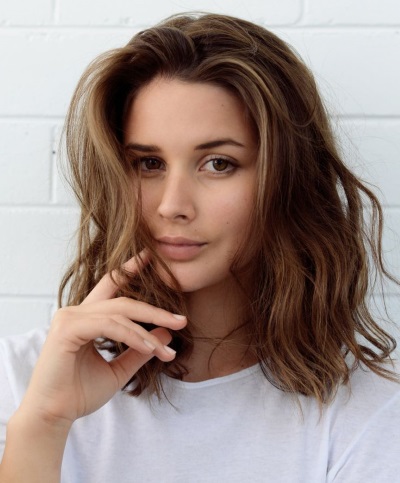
{"points": [[179, 317], [169, 350], [149, 344]]}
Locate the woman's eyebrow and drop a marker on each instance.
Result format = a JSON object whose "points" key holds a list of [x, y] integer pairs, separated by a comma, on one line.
{"points": [[217, 143], [143, 148], [151, 148]]}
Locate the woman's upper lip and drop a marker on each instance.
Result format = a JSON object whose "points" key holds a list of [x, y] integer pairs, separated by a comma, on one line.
{"points": [[178, 240]]}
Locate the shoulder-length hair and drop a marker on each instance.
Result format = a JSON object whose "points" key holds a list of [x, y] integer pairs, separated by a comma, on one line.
{"points": [[316, 255]]}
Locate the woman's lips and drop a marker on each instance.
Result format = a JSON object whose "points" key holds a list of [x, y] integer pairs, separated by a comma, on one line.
{"points": [[179, 248]]}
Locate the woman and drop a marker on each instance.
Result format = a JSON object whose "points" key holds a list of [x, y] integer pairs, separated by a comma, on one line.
{"points": [[202, 154]]}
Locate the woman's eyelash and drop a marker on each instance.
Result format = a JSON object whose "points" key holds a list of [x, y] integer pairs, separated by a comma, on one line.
{"points": [[153, 163], [221, 164], [214, 164]]}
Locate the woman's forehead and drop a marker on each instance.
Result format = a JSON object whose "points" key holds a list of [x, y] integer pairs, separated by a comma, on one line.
{"points": [[199, 112]]}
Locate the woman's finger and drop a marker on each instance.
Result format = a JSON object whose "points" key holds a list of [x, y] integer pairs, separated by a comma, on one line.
{"points": [[76, 333], [107, 287], [130, 361], [145, 338], [133, 310]]}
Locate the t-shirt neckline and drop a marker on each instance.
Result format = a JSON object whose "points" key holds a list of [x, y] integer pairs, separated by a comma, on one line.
{"points": [[215, 380]]}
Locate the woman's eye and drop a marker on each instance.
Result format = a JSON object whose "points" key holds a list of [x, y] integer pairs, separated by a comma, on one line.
{"points": [[150, 164], [219, 165]]}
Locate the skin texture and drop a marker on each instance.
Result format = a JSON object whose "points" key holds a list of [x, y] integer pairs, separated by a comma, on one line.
{"points": [[65, 383], [204, 195], [195, 192], [201, 200]]}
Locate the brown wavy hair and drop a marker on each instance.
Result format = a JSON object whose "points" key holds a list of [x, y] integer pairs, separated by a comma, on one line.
{"points": [[316, 256]]}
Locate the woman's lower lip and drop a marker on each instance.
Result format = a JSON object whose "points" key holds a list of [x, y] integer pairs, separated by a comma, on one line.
{"points": [[179, 252]]}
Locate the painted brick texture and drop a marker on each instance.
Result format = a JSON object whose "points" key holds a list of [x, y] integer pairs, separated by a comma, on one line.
{"points": [[353, 47]]}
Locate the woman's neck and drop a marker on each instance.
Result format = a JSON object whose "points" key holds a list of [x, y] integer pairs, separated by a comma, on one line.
{"points": [[221, 342]]}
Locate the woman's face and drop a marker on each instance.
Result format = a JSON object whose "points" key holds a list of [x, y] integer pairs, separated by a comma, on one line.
{"points": [[196, 152]]}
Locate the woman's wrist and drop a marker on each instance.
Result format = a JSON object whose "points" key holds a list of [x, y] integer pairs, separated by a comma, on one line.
{"points": [[34, 448], [32, 420]]}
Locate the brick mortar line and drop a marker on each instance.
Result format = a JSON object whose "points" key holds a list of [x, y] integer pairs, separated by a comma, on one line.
{"points": [[366, 117], [29, 298], [55, 11], [66, 209], [33, 117], [301, 15], [53, 168], [119, 28]]}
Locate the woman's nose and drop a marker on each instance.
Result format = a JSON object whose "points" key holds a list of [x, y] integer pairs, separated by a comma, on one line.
{"points": [[177, 198]]}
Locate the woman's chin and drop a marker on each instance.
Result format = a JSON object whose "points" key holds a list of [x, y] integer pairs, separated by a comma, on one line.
{"points": [[184, 279]]}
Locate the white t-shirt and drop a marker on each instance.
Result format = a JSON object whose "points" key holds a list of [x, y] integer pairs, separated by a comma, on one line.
{"points": [[237, 428]]}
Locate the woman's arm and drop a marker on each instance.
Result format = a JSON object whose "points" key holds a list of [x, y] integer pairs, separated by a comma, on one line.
{"points": [[71, 379], [34, 449]]}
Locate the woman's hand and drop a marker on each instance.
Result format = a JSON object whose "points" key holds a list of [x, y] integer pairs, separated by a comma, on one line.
{"points": [[71, 379]]}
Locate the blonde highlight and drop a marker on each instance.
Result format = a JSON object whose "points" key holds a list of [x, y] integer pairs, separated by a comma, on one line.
{"points": [[310, 238]]}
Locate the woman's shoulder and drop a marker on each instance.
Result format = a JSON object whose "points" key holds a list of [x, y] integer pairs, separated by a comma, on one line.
{"points": [[19, 353], [369, 390], [363, 417], [18, 356], [29, 343], [366, 395]]}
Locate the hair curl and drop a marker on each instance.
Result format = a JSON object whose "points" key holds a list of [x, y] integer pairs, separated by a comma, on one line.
{"points": [[313, 245]]}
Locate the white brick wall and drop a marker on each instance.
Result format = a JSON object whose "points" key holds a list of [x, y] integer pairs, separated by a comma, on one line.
{"points": [[353, 47]]}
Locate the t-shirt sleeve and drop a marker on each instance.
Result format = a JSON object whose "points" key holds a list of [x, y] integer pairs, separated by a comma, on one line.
{"points": [[374, 455], [7, 400], [18, 356]]}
